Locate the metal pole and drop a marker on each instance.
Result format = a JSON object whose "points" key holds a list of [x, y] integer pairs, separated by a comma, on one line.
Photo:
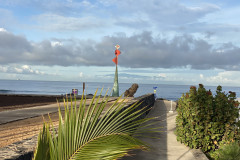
{"points": [[115, 92], [171, 111], [83, 87]]}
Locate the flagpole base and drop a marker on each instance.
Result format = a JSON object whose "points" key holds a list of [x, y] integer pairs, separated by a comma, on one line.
{"points": [[115, 92]]}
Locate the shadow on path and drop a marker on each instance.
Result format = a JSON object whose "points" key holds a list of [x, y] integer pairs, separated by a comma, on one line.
{"points": [[158, 146], [166, 147]]}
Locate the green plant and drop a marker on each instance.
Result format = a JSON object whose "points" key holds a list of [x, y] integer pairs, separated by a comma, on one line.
{"points": [[93, 132], [205, 121], [227, 152]]}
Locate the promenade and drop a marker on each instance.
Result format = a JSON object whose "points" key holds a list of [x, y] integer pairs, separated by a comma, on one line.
{"points": [[166, 147], [25, 113]]}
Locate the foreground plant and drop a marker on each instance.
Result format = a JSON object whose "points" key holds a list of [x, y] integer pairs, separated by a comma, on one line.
{"points": [[227, 152], [90, 132], [205, 120]]}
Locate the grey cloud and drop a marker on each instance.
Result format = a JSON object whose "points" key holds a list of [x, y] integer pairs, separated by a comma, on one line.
{"points": [[138, 51], [208, 28], [208, 34], [13, 48], [133, 23], [122, 75]]}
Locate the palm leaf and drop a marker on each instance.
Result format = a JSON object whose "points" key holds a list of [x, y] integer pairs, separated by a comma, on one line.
{"points": [[108, 147], [42, 151], [92, 132]]}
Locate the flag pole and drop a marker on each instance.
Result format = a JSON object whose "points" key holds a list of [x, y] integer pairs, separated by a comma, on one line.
{"points": [[115, 92]]}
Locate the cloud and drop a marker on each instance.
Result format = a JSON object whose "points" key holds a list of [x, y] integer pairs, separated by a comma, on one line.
{"points": [[162, 75], [24, 69], [3, 69], [126, 75], [53, 6], [56, 43], [80, 74], [6, 18], [18, 70], [209, 29], [138, 51], [54, 22], [132, 22], [3, 30], [73, 15], [225, 77], [170, 12]]}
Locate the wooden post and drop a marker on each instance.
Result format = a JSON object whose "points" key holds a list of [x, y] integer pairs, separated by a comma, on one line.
{"points": [[83, 87]]}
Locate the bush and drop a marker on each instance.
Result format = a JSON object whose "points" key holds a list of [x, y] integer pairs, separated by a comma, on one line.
{"points": [[227, 152], [205, 121]]}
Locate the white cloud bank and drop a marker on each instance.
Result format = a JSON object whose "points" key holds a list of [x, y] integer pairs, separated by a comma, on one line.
{"points": [[24, 69], [3, 30]]}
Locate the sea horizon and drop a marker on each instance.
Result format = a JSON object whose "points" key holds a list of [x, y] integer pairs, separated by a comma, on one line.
{"points": [[39, 87], [164, 83]]}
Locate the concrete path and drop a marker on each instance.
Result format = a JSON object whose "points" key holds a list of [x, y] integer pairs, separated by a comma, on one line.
{"points": [[19, 114], [166, 147]]}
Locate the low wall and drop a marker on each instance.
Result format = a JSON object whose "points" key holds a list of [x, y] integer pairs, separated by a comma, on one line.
{"points": [[23, 150]]}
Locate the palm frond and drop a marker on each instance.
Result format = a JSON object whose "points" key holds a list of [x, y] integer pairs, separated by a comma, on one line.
{"points": [[108, 147], [92, 132], [42, 151]]}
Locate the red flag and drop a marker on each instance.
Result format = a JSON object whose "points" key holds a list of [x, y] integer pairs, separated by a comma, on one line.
{"points": [[117, 52], [115, 60]]}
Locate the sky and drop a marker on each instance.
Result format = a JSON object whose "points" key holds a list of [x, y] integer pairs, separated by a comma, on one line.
{"points": [[161, 42]]}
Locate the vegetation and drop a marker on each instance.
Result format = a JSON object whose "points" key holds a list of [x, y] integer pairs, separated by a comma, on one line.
{"points": [[229, 151], [205, 120], [93, 132]]}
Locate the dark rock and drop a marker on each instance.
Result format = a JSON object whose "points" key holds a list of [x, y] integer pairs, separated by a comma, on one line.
{"points": [[131, 91]]}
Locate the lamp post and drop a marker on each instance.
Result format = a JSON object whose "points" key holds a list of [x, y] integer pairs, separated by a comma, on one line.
{"points": [[115, 92]]}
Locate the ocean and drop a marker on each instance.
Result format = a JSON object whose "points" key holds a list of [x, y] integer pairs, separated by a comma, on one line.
{"points": [[170, 92]]}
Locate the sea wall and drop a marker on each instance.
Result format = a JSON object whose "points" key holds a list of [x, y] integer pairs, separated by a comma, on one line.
{"points": [[23, 150]]}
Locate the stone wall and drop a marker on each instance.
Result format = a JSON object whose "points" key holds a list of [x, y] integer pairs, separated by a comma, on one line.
{"points": [[23, 150], [146, 101]]}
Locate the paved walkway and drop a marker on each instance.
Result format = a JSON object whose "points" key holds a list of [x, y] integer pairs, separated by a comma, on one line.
{"points": [[19, 114], [166, 147]]}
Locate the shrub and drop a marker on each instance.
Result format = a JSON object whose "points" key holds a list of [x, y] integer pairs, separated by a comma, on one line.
{"points": [[227, 152], [205, 121]]}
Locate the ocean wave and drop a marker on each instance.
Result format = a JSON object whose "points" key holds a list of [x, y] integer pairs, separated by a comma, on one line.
{"points": [[6, 91]]}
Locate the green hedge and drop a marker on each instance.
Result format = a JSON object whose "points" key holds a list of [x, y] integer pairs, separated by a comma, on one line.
{"points": [[204, 120]]}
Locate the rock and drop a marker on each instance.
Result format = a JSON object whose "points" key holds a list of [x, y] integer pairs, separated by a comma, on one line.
{"points": [[131, 91]]}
